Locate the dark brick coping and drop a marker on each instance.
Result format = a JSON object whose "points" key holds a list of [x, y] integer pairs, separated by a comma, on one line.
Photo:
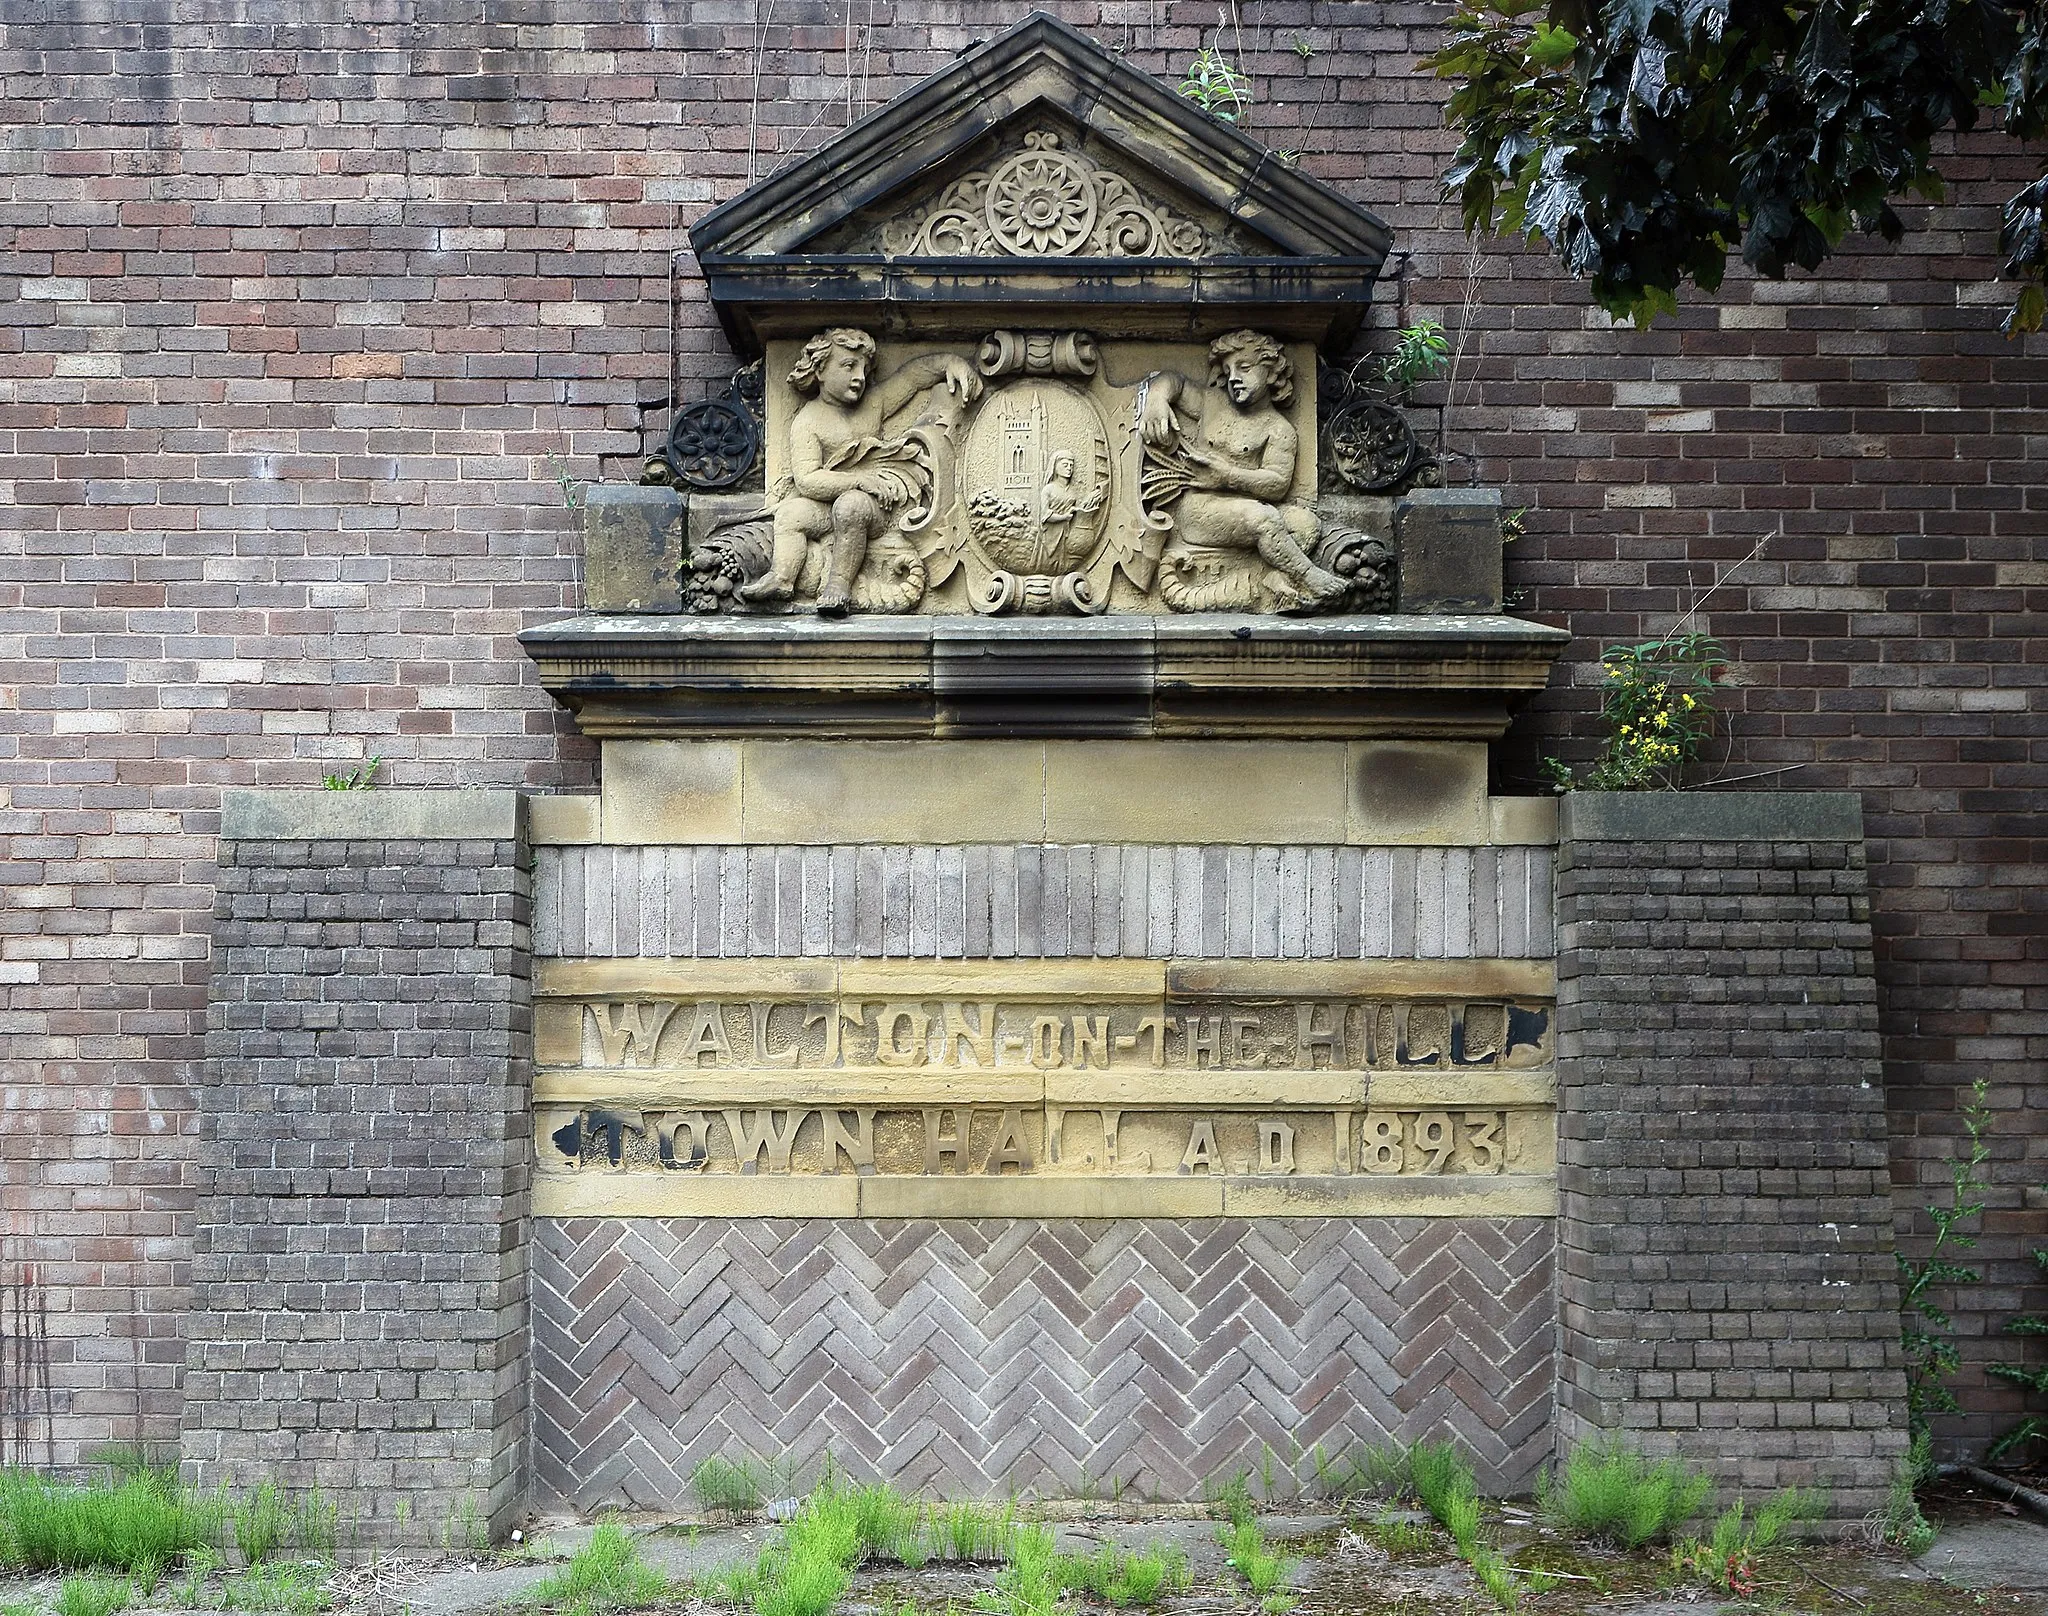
{"points": [[313, 816], [1711, 816]]}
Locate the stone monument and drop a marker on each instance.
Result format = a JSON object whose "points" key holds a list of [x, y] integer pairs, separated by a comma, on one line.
{"points": [[1043, 997]]}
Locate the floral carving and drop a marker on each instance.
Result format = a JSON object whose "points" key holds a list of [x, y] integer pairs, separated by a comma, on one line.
{"points": [[1044, 202], [1041, 201]]}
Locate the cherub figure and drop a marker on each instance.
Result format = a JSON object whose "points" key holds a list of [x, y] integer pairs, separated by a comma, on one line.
{"points": [[847, 481], [1227, 460]]}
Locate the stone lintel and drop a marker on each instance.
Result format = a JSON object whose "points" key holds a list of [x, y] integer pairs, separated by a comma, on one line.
{"points": [[1439, 677], [375, 815], [1712, 816]]}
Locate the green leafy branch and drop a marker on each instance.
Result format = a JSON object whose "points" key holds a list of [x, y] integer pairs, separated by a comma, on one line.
{"points": [[1647, 140], [1216, 85], [2034, 1428], [1931, 1353]]}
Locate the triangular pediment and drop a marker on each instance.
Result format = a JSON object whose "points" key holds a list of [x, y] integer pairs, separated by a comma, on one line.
{"points": [[1042, 76], [1025, 159], [1041, 186]]}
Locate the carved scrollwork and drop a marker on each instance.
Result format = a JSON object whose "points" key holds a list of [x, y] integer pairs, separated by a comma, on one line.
{"points": [[1037, 353], [1044, 202]]}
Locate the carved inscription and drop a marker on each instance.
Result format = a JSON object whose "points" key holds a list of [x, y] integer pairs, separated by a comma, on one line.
{"points": [[993, 1087], [998, 1034]]}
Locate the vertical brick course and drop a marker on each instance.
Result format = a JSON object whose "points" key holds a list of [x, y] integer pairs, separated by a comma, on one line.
{"points": [[1726, 1285], [359, 1271]]}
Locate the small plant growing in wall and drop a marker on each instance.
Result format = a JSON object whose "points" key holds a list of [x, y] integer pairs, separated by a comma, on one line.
{"points": [[1421, 351], [1931, 1355], [1656, 706], [1214, 84], [363, 777], [2034, 1428]]}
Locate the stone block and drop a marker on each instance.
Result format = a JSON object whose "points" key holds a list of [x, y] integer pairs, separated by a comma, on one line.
{"points": [[1194, 791], [563, 821], [670, 791], [633, 548], [1421, 791], [1450, 545], [812, 792], [378, 815]]}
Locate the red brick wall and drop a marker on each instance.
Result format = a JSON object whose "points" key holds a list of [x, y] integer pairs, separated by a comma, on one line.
{"points": [[298, 323]]}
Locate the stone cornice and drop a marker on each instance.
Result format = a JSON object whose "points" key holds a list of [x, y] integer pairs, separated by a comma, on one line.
{"points": [[1444, 677]]}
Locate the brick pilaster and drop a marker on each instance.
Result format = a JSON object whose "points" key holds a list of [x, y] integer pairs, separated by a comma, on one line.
{"points": [[1726, 1281], [360, 1275]]}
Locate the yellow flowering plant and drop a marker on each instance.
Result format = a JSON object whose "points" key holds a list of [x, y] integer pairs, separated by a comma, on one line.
{"points": [[1656, 704]]}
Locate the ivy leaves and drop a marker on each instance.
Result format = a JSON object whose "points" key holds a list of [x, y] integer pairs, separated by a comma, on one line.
{"points": [[1647, 140]]}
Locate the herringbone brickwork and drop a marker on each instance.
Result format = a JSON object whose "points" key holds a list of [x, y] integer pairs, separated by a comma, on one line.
{"points": [[982, 1356]]}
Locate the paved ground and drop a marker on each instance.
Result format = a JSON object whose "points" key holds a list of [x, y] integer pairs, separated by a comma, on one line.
{"points": [[1986, 1560]]}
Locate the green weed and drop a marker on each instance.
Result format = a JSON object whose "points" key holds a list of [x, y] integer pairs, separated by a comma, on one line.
{"points": [[1438, 1473], [465, 1531], [1612, 1494], [263, 1523], [20, 1607], [1460, 1516], [1398, 1537], [725, 1487], [148, 1576], [806, 1585], [1901, 1525], [607, 1573], [1029, 1585], [1127, 1578], [1728, 1559], [971, 1532], [48, 1527], [887, 1525], [93, 1596], [1378, 1470], [277, 1585], [200, 1564], [1497, 1579], [1245, 1547], [1233, 1500]]}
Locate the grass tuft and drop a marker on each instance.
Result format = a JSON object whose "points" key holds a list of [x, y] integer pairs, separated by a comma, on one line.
{"points": [[1398, 1537], [1612, 1494], [727, 1488], [1378, 1470], [1126, 1578], [1245, 1547], [296, 1586], [1029, 1585], [976, 1534], [263, 1523], [48, 1527], [93, 1596], [607, 1573]]}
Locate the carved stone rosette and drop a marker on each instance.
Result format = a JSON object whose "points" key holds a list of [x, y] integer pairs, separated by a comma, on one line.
{"points": [[1044, 202]]}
